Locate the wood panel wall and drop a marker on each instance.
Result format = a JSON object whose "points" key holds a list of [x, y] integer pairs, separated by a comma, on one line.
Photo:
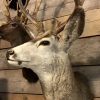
{"points": [[12, 84], [9, 96]]}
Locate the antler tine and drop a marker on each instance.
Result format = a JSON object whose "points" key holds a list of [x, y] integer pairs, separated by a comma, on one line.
{"points": [[27, 14], [7, 12], [42, 28], [42, 35], [19, 14], [29, 32], [26, 4], [37, 7], [34, 12], [60, 28], [54, 20], [25, 19]]}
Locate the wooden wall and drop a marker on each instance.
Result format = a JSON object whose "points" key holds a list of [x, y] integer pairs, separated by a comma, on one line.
{"points": [[12, 84]]}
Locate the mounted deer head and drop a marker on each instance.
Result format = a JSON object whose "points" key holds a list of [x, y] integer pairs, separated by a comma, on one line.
{"points": [[47, 56], [72, 30], [14, 31]]}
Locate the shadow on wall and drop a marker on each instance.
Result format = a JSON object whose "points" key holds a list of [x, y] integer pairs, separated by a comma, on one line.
{"points": [[3, 88], [13, 4]]}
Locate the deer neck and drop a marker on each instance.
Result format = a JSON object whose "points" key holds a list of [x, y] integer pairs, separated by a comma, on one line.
{"points": [[60, 85]]}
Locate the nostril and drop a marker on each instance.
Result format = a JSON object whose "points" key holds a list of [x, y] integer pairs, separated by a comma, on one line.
{"points": [[10, 52]]}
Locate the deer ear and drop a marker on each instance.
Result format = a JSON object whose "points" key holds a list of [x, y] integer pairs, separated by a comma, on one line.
{"points": [[74, 27]]}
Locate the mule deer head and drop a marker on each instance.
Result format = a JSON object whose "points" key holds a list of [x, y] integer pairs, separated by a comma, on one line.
{"points": [[49, 41], [14, 31], [47, 56]]}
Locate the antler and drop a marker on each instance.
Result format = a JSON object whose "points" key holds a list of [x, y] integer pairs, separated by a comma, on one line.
{"points": [[39, 25], [42, 35], [23, 18], [7, 12], [78, 4], [27, 14], [36, 9], [74, 26]]}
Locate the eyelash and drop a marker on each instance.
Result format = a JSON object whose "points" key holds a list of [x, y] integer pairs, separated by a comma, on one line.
{"points": [[44, 43]]}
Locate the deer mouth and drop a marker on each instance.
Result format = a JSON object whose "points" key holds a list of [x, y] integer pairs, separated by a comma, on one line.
{"points": [[18, 62]]}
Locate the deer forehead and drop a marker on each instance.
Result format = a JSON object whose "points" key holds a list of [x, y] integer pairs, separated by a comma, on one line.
{"points": [[32, 47]]}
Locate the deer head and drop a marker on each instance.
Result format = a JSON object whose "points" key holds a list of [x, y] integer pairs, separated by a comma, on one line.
{"points": [[14, 31], [42, 52], [47, 56]]}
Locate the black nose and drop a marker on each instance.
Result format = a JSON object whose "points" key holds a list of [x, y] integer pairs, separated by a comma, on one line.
{"points": [[9, 52]]}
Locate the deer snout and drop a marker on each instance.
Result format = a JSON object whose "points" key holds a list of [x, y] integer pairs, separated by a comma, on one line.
{"points": [[9, 53]]}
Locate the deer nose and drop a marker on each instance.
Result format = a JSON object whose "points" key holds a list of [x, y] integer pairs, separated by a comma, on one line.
{"points": [[9, 53]]}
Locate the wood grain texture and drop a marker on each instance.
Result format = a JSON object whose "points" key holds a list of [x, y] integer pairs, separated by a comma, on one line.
{"points": [[86, 54], [92, 25], [4, 44], [66, 8], [7, 96], [13, 81], [85, 51], [96, 98], [3, 60], [92, 73]]}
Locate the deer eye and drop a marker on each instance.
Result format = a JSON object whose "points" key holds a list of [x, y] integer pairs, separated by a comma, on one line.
{"points": [[14, 24], [44, 43]]}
